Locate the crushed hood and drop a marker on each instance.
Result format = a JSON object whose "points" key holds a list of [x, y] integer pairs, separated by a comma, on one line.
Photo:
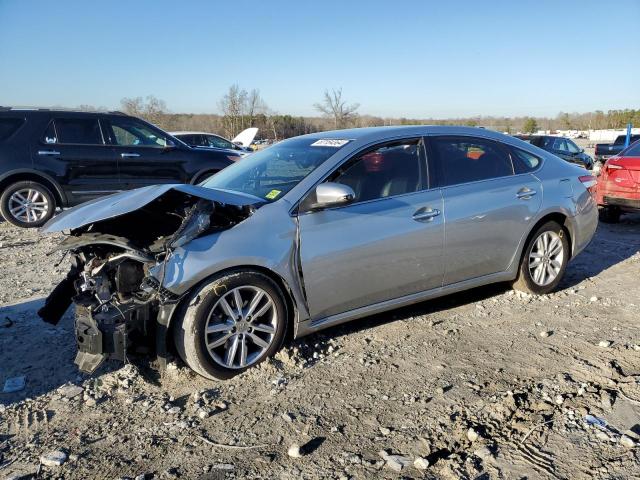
{"points": [[126, 202]]}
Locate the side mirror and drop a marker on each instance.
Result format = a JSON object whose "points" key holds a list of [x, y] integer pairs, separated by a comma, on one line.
{"points": [[169, 145], [331, 194]]}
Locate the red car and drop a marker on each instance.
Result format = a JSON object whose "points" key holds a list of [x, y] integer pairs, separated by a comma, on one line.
{"points": [[618, 188]]}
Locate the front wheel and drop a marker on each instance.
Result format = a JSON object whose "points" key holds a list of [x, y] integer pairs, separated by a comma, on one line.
{"points": [[230, 324], [544, 260]]}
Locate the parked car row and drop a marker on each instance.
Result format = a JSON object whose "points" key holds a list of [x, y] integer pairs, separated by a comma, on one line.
{"points": [[56, 159], [242, 142], [562, 147], [312, 232]]}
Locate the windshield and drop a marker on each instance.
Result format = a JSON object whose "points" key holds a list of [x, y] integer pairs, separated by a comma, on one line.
{"points": [[272, 172]]}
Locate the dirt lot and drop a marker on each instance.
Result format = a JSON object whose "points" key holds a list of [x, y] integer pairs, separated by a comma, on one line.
{"points": [[483, 384]]}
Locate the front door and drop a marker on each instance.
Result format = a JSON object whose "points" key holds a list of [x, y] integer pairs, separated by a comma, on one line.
{"points": [[142, 154], [74, 147], [487, 207], [386, 244]]}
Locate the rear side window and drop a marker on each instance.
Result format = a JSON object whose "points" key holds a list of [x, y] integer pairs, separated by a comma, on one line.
{"points": [[218, 142], [524, 161], [469, 159], [9, 126], [85, 131]]}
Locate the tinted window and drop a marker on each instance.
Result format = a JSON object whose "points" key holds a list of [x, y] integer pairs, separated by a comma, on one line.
{"points": [[468, 159], [131, 133], [77, 130], [392, 169], [524, 161], [188, 139], [9, 126], [632, 151]]}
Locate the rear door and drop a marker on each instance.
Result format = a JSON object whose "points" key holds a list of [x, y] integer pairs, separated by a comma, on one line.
{"points": [[384, 245], [74, 146], [142, 154], [487, 206]]}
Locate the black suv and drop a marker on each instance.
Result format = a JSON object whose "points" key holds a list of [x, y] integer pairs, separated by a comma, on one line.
{"points": [[55, 158], [561, 147]]}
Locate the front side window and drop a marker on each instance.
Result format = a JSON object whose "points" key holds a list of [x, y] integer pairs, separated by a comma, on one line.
{"points": [[389, 170], [572, 147], [130, 133], [469, 159], [84, 131], [272, 172], [560, 145], [214, 141]]}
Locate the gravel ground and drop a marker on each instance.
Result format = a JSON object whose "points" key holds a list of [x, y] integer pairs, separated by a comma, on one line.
{"points": [[483, 384]]}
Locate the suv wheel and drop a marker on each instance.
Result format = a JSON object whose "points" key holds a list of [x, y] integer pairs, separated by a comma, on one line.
{"points": [[231, 324], [27, 204], [544, 261]]}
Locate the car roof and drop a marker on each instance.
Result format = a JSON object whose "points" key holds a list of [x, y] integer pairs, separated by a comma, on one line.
{"points": [[48, 111], [194, 133], [381, 133]]}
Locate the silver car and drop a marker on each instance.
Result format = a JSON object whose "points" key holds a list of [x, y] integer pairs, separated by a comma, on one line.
{"points": [[313, 232]]}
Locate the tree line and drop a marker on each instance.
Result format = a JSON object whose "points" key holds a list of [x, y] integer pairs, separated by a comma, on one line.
{"points": [[240, 109]]}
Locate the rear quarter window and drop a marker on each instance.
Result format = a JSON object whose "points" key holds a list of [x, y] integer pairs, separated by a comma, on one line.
{"points": [[9, 126], [524, 162]]}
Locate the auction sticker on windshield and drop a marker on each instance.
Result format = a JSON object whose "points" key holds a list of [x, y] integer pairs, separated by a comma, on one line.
{"points": [[329, 142], [273, 194]]}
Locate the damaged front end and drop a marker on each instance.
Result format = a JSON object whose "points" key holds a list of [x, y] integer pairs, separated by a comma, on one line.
{"points": [[115, 243]]}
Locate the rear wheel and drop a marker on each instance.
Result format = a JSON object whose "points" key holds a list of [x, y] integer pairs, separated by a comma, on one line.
{"points": [[544, 260], [609, 214], [233, 323], [27, 204]]}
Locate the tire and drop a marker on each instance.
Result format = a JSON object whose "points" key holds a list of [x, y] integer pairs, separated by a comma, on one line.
{"points": [[27, 204], [206, 310], [609, 214], [537, 277]]}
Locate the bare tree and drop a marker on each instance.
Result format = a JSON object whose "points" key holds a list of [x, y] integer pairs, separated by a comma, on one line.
{"points": [[152, 109], [335, 107], [255, 105], [233, 106]]}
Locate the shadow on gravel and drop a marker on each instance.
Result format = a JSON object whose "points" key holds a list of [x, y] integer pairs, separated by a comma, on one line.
{"points": [[612, 244], [40, 352]]}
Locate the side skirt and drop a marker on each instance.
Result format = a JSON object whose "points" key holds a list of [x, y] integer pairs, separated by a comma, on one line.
{"points": [[311, 326]]}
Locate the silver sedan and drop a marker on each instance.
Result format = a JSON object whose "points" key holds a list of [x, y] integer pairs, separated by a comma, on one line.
{"points": [[319, 230]]}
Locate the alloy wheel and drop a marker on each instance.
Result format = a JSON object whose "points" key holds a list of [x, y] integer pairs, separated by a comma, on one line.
{"points": [[241, 327], [546, 258], [28, 205]]}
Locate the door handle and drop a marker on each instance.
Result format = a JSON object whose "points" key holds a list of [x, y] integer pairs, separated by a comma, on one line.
{"points": [[129, 155], [48, 152], [426, 214], [525, 193]]}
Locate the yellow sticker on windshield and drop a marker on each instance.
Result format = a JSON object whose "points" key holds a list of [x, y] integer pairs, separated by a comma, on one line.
{"points": [[273, 194]]}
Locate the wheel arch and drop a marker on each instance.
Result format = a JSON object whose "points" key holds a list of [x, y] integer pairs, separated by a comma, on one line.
{"points": [[34, 176], [287, 294], [205, 172], [558, 217]]}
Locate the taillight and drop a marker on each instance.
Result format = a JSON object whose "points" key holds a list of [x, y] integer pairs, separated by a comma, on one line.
{"points": [[589, 181]]}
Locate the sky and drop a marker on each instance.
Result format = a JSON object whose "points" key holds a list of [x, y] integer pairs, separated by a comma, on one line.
{"points": [[414, 59]]}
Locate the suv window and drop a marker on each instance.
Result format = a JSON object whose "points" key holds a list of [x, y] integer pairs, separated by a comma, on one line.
{"points": [[388, 170], [9, 126], [128, 132], [572, 147], [218, 142], [469, 159], [84, 131]]}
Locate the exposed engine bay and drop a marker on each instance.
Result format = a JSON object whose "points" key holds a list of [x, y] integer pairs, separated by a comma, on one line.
{"points": [[119, 302]]}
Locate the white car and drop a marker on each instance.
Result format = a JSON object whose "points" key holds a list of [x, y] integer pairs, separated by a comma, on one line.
{"points": [[241, 143]]}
